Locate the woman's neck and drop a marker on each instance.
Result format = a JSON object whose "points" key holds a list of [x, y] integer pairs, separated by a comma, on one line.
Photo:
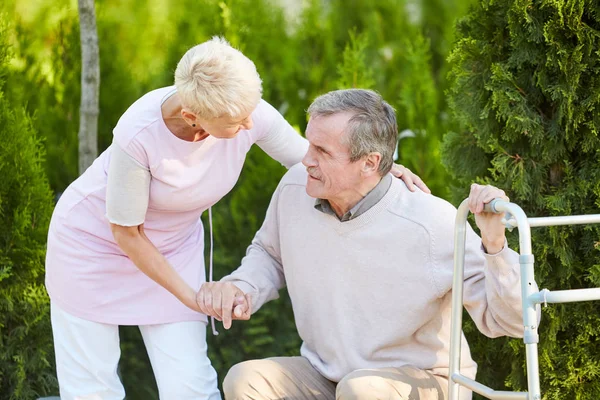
{"points": [[171, 115]]}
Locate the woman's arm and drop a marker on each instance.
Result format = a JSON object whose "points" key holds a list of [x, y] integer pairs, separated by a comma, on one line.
{"points": [[140, 250], [280, 141], [127, 196]]}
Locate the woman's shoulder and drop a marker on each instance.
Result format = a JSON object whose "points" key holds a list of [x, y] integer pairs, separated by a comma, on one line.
{"points": [[264, 108], [143, 113], [265, 116]]}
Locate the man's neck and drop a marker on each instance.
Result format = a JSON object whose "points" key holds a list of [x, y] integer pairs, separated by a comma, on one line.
{"points": [[345, 203]]}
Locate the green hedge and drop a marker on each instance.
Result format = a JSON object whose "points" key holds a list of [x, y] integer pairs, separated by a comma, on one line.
{"points": [[26, 358], [525, 84]]}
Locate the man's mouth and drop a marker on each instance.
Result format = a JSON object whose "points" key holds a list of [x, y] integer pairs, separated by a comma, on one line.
{"points": [[310, 175]]}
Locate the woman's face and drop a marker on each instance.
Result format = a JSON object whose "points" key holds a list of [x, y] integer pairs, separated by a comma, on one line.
{"points": [[226, 127]]}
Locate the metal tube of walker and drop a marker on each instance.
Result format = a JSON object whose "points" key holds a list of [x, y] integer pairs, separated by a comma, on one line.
{"points": [[531, 337], [565, 296], [460, 234], [530, 322], [564, 220], [488, 392]]}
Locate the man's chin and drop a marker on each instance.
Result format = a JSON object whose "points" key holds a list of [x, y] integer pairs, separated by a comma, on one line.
{"points": [[311, 190]]}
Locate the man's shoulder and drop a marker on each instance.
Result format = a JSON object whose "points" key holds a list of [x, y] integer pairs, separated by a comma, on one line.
{"points": [[429, 211], [296, 176]]}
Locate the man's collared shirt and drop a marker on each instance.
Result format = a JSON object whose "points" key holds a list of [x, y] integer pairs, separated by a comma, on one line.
{"points": [[366, 203]]}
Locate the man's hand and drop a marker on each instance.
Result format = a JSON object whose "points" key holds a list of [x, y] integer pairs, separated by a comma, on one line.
{"points": [[224, 301], [400, 171], [490, 224]]}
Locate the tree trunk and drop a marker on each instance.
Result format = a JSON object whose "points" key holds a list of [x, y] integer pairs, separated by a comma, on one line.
{"points": [[90, 85]]}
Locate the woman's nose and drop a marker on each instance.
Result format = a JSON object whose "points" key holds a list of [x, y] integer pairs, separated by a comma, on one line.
{"points": [[248, 124]]}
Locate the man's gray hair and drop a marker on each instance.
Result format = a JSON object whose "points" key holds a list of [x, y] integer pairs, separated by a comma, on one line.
{"points": [[372, 128]]}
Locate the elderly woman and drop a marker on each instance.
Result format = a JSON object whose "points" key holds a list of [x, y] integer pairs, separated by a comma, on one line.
{"points": [[125, 245]]}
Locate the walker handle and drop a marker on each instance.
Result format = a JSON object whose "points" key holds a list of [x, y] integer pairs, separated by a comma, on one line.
{"points": [[491, 206]]}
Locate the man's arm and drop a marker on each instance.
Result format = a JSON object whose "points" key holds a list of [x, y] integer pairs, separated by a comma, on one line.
{"points": [[492, 296], [258, 279]]}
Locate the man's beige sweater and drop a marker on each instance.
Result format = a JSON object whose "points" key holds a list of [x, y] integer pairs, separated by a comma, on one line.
{"points": [[375, 291]]}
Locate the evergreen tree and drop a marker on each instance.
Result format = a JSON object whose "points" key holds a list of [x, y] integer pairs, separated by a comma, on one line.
{"points": [[420, 119], [26, 356], [525, 84], [353, 71]]}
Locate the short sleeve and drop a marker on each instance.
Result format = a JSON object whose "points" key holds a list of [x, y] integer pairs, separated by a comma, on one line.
{"points": [[129, 143], [127, 190]]}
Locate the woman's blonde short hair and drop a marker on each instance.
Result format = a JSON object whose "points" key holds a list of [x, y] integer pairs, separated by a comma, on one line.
{"points": [[214, 80]]}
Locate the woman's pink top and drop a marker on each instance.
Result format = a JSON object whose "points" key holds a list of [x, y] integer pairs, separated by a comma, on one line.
{"points": [[89, 276]]}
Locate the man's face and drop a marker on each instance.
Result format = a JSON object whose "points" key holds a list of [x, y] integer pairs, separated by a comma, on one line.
{"points": [[331, 175]]}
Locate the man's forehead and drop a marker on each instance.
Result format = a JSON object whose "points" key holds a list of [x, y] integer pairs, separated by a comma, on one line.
{"points": [[332, 125]]}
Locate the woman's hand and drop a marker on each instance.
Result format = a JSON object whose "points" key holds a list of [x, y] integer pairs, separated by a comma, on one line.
{"points": [[224, 301], [400, 171]]}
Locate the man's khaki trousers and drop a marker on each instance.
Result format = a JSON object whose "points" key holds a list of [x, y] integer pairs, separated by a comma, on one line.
{"points": [[294, 378]]}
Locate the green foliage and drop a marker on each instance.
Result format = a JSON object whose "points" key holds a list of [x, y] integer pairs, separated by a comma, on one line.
{"points": [[525, 83], [420, 120], [50, 91], [25, 208], [353, 71]]}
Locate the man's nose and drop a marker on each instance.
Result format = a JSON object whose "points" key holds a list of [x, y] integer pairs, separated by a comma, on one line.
{"points": [[308, 160]]}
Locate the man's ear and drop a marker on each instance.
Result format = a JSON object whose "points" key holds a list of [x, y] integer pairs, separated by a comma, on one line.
{"points": [[371, 163]]}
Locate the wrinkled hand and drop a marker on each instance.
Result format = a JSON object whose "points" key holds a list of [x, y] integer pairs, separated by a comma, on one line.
{"points": [[490, 224], [411, 179], [224, 301]]}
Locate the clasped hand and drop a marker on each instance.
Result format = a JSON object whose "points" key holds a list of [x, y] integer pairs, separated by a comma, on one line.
{"points": [[490, 224], [224, 301]]}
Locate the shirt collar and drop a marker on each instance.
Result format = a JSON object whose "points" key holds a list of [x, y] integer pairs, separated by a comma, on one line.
{"points": [[372, 198]]}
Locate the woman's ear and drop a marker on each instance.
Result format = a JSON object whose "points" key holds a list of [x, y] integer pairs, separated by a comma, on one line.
{"points": [[189, 117]]}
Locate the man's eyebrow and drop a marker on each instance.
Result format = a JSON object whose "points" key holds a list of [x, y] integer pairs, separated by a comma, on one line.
{"points": [[321, 149]]}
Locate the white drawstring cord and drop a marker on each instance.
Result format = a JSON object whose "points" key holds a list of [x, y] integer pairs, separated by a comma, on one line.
{"points": [[210, 265]]}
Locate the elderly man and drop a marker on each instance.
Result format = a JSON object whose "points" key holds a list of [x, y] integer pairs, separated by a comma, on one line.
{"points": [[368, 266]]}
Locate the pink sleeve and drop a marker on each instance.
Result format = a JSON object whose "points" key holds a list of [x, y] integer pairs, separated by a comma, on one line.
{"points": [[128, 139], [264, 117], [276, 136]]}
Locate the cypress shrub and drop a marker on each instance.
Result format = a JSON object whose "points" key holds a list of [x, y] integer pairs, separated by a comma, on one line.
{"points": [[525, 84], [26, 356]]}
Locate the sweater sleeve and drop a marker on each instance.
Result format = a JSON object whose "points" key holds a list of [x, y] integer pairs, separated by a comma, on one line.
{"points": [[492, 283], [277, 137], [261, 273], [492, 289]]}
